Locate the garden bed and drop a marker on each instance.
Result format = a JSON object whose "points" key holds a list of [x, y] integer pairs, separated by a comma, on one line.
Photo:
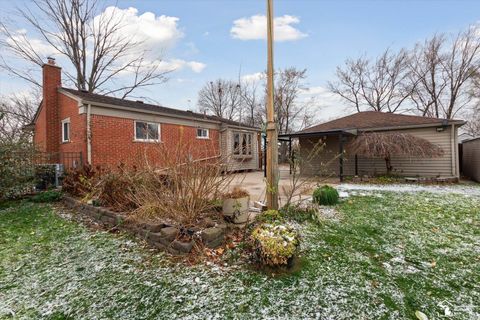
{"points": [[165, 236]]}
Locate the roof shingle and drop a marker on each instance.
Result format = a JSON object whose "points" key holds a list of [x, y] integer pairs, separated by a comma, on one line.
{"points": [[141, 106], [370, 120]]}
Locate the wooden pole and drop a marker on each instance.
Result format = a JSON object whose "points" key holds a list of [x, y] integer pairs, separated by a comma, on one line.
{"points": [[272, 138]]}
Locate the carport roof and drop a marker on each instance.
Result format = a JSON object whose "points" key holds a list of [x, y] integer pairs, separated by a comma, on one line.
{"points": [[374, 121]]}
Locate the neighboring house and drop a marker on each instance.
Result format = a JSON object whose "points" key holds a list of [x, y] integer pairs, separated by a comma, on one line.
{"points": [[471, 158], [108, 131], [336, 159]]}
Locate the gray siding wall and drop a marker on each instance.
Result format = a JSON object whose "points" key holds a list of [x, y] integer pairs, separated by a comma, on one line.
{"points": [[238, 163], [471, 159], [447, 165]]}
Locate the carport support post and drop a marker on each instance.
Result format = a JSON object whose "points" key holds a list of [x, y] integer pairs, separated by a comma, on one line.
{"points": [[340, 144], [356, 164], [290, 154]]}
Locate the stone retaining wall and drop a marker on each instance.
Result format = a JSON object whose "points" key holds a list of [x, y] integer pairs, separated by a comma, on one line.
{"points": [[161, 235]]}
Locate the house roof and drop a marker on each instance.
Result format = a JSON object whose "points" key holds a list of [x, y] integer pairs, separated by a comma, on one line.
{"points": [[375, 120], [141, 106]]}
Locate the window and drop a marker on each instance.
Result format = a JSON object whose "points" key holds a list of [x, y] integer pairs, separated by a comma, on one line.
{"points": [[202, 133], [147, 131], [66, 130], [242, 144]]}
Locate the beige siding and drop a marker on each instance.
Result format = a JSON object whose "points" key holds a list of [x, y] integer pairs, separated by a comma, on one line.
{"points": [[405, 166], [237, 163], [471, 159]]}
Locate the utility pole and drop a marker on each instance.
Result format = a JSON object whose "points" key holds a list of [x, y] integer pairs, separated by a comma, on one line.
{"points": [[272, 138]]}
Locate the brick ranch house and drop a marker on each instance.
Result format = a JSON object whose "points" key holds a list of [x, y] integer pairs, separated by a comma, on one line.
{"points": [[107, 131], [336, 158]]}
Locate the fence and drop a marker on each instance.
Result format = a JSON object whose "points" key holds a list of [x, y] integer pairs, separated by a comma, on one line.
{"points": [[69, 160], [22, 169]]}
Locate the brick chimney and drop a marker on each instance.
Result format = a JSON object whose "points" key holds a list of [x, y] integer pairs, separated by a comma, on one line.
{"points": [[52, 80]]}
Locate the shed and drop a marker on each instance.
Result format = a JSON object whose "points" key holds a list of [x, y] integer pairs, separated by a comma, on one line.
{"points": [[471, 159]]}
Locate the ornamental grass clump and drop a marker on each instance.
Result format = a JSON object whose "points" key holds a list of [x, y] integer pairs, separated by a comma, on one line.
{"points": [[325, 196], [275, 244]]}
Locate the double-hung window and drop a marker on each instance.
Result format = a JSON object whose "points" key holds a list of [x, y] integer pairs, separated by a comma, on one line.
{"points": [[242, 144], [147, 131], [202, 133], [66, 130]]}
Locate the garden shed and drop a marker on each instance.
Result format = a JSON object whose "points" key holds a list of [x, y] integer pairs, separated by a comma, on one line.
{"points": [[471, 158]]}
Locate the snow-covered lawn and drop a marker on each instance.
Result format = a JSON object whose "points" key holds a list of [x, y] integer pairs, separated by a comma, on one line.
{"points": [[468, 190], [389, 255]]}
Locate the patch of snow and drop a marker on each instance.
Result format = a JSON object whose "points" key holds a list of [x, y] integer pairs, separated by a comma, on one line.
{"points": [[356, 189]]}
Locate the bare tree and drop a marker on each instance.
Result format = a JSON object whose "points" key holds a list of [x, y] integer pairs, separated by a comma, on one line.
{"points": [[379, 85], [91, 40], [17, 111], [442, 71], [245, 102], [427, 72], [222, 98], [253, 103], [472, 127], [288, 85]]}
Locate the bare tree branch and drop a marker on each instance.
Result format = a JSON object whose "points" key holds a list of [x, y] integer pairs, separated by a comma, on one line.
{"points": [[91, 39]]}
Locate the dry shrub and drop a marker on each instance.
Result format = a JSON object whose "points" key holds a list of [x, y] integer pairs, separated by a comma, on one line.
{"points": [[236, 193], [184, 189], [115, 188], [81, 181]]}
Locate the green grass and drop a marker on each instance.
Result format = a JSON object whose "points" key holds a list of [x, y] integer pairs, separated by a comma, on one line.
{"points": [[387, 257]]}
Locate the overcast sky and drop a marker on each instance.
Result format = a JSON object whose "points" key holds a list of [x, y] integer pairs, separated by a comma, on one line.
{"points": [[205, 40]]}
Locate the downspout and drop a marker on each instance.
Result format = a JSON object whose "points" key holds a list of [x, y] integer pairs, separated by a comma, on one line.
{"points": [[89, 135], [454, 153]]}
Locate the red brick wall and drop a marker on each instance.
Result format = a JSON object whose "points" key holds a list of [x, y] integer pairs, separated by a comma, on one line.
{"points": [[51, 82], [68, 108], [113, 143]]}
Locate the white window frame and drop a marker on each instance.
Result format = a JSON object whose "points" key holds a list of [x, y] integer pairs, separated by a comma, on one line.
{"points": [[203, 137], [66, 121], [248, 151], [146, 140]]}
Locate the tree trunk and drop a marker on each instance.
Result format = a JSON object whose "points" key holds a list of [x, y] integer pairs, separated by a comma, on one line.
{"points": [[388, 163]]}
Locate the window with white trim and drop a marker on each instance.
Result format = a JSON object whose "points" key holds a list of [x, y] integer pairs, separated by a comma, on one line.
{"points": [[66, 130], [147, 131], [202, 133], [242, 144]]}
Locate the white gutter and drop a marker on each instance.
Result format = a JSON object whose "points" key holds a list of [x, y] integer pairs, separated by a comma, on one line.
{"points": [[454, 154], [89, 135]]}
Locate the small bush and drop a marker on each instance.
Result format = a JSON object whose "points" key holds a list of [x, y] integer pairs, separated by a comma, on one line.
{"points": [[326, 196], [275, 244], [299, 213], [45, 176], [269, 216], [47, 196], [17, 174]]}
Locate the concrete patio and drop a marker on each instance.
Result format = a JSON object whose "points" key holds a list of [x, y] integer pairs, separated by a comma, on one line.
{"points": [[254, 183]]}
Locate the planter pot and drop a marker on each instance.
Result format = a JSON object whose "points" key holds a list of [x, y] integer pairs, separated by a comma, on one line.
{"points": [[232, 206]]}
